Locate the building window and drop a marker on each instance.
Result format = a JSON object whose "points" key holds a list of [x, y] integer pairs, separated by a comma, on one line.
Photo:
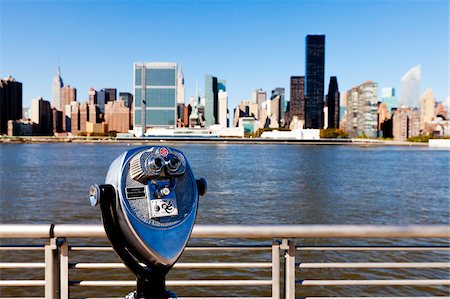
{"points": [[137, 76], [161, 117], [160, 77], [160, 97]]}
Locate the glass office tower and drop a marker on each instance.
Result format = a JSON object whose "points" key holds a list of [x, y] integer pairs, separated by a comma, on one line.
{"points": [[155, 86], [314, 87]]}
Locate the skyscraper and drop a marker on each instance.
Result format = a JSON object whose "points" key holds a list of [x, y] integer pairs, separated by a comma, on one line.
{"points": [[405, 123], [42, 116], [56, 90], [315, 72], [223, 108], [212, 88], [155, 85], [411, 87], [332, 100], [279, 91], [297, 101], [68, 94], [427, 108], [362, 107], [180, 86], [10, 102]]}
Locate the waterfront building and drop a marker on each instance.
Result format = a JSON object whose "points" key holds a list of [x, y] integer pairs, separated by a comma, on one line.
{"points": [[245, 108], [273, 111], [83, 116], [128, 99], [427, 108], [57, 120], [42, 116], [405, 123], [411, 87], [155, 105], [362, 106], [383, 116], [75, 118], [10, 102], [212, 88], [388, 97], [117, 116], [68, 95], [223, 108], [181, 91], [332, 102], [56, 90], [297, 100], [314, 81], [100, 128], [68, 117], [20, 127]]}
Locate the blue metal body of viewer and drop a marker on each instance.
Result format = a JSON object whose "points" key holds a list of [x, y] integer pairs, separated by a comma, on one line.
{"points": [[149, 203]]}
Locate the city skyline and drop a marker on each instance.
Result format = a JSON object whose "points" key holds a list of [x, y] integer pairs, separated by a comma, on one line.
{"points": [[248, 62]]}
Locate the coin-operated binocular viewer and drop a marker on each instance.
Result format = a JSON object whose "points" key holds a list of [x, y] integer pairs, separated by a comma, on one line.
{"points": [[149, 203]]}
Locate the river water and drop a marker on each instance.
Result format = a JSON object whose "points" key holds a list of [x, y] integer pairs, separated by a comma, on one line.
{"points": [[251, 184]]}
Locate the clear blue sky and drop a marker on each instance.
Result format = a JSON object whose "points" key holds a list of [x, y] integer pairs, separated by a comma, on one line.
{"points": [[251, 44]]}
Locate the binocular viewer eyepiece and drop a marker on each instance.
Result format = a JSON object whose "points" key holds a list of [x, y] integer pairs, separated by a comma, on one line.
{"points": [[149, 204]]}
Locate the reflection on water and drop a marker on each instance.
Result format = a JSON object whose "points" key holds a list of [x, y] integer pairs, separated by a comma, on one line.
{"points": [[247, 184]]}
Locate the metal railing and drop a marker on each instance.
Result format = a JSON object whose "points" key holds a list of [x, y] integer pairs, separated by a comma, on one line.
{"points": [[283, 249]]}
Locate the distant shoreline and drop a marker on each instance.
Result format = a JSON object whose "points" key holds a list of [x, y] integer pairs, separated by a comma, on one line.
{"points": [[204, 140]]}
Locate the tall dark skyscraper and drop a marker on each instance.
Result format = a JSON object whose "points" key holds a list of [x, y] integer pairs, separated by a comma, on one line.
{"points": [[332, 100], [315, 69], [297, 101], [10, 102]]}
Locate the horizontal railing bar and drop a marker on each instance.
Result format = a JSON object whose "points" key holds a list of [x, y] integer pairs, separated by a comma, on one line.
{"points": [[250, 248], [440, 297], [177, 298], [203, 248], [229, 248], [397, 282], [21, 265], [22, 283], [375, 248], [173, 283], [374, 265], [22, 297], [177, 265], [242, 231], [280, 231], [25, 230], [22, 247]]}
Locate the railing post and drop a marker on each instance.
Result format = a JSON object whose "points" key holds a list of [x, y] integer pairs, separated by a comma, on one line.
{"points": [[290, 270], [276, 269], [64, 269], [51, 277]]}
